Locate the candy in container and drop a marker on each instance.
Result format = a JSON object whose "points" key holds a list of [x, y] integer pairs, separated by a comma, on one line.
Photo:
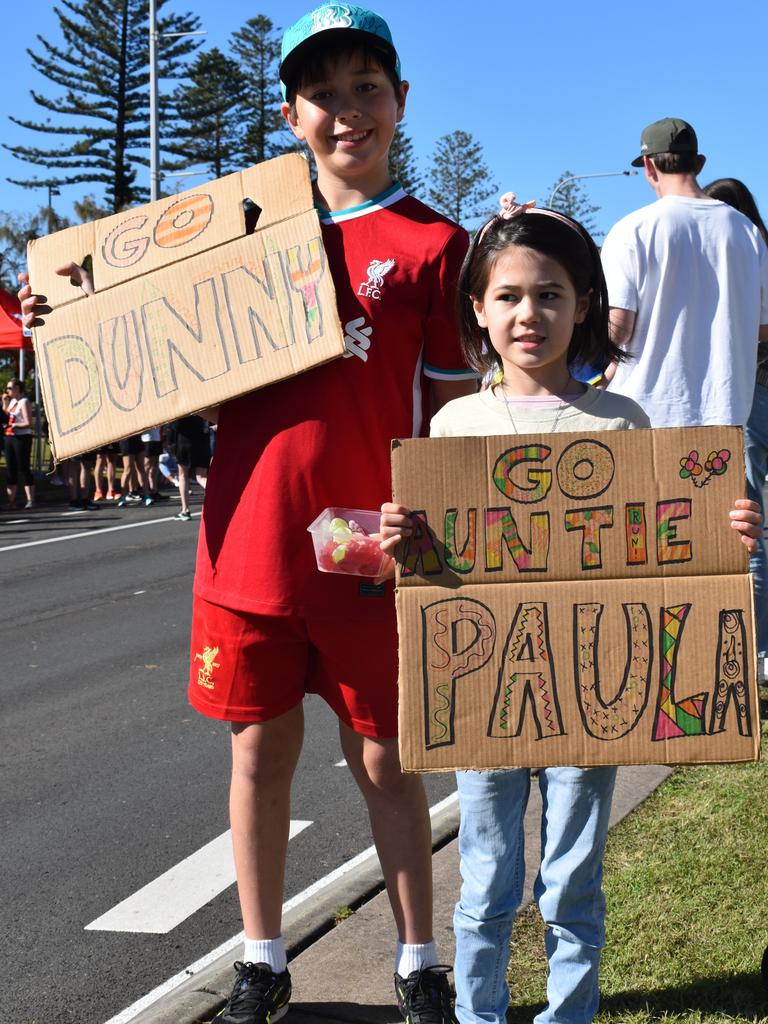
{"points": [[346, 541]]}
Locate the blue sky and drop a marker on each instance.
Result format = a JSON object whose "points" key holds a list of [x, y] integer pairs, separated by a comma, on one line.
{"points": [[543, 87]]}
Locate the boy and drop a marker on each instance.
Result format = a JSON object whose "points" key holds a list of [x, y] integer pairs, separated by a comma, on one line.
{"points": [[294, 448], [285, 453]]}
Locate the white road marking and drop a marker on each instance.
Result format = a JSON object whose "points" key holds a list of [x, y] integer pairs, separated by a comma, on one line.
{"points": [[173, 897], [91, 533], [226, 947], [340, 764]]}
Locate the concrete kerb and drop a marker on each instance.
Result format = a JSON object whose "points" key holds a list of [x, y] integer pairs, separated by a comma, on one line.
{"points": [[205, 992]]}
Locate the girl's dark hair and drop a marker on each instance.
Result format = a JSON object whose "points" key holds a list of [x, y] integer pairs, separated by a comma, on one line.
{"points": [[333, 47], [567, 243], [737, 195], [14, 382]]}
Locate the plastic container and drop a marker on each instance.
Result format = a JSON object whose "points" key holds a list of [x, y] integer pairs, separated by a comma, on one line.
{"points": [[347, 541]]}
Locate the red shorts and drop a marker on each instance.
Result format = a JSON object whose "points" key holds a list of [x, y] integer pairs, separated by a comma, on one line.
{"points": [[252, 668]]}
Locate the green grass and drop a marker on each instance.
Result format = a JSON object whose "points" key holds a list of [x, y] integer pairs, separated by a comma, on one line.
{"points": [[686, 878]]}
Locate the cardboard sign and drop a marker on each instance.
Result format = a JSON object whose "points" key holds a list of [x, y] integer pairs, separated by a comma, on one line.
{"points": [[574, 600], [188, 311]]}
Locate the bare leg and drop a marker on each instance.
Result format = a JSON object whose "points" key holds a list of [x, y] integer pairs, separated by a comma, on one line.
{"points": [[98, 474], [201, 475], [184, 487], [127, 481], [399, 815], [264, 757], [110, 473]]}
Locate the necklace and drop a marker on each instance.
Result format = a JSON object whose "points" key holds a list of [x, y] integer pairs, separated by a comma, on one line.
{"points": [[559, 412]]}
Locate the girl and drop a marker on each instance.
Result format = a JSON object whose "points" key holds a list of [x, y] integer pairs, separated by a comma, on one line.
{"points": [[532, 301]]}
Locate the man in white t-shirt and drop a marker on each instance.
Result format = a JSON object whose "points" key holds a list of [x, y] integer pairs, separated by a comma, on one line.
{"points": [[688, 288]]}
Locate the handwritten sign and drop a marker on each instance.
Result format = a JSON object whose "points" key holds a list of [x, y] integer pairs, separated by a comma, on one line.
{"points": [[189, 310], [574, 600]]}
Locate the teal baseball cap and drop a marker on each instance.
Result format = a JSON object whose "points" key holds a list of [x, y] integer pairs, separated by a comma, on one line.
{"points": [[332, 18]]}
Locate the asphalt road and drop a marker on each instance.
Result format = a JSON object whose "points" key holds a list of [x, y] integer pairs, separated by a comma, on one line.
{"points": [[109, 780]]}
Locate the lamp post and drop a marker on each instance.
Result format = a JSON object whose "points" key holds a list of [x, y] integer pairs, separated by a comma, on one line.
{"points": [[578, 177], [154, 140], [52, 191]]}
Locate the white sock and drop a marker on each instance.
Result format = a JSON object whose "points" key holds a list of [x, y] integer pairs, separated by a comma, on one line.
{"points": [[266, 951], [410, 957]]}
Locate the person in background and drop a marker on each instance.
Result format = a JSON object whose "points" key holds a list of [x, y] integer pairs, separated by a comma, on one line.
{"points": [[132, 483], [688, 287], [106, 465], [18, 442], [193, 455], [153, 447], [736, 194], [78, 472]]}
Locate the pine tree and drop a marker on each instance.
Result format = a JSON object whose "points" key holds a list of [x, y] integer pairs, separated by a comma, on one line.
{"points": [[257, 47], [208, 128], [572, 200], [460, 182], [103, 72], [402, 163]]}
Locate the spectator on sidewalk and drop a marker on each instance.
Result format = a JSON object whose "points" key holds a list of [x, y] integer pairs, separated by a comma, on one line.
{"points": [[18, 442], [78, 472], [193, 455], [153, 447], [737, 195], [688, 288], [132, 485], [106, 465]]}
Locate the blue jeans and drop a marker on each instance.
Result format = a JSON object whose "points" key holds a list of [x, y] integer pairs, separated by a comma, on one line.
{"points": [[756, 445], [568, 889]]}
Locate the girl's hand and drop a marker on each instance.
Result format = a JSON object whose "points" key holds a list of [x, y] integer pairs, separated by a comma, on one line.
{"points": [[747, 519], [395, 524]]}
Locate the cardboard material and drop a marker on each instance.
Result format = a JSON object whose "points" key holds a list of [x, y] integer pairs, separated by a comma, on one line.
{"points": [[574, 600], [189, 310]]}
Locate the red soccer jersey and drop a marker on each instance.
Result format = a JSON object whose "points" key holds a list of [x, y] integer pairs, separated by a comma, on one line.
{"points": [[322, 438]]}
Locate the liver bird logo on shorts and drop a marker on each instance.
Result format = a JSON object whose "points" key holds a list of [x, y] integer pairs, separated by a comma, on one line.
{"points": [[205, 672]]}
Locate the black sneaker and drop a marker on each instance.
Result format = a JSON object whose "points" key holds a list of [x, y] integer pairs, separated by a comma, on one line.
{"points": [[425, 997], [259, 997]]}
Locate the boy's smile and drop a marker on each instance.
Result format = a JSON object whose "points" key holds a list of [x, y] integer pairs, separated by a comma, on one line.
{"points": [[348, 120]]}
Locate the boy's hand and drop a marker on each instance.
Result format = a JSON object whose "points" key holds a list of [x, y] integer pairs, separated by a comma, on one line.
{"points": [[395, 523], [33, 306], [77, 276], [746, 518]]}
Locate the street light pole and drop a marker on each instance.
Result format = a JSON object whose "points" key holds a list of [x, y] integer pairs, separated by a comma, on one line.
{"points": [[154, 119], [154, 146], [52, 191], [578, 177]]}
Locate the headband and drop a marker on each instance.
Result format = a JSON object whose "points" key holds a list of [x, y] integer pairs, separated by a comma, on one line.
{"points": [[511, 209]]}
